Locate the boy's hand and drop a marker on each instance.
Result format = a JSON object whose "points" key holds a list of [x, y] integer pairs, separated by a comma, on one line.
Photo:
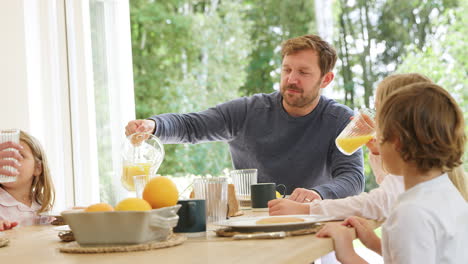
{"points": [[343, 242], [287, 207], [5, 225], [365, 233]]}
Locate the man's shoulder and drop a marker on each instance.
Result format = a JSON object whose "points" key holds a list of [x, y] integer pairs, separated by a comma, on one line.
{"points": [[259, 100], [264, 99], [334, 109]]}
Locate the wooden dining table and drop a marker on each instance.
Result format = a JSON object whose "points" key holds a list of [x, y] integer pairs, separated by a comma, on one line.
{"points": [[39, 244]]}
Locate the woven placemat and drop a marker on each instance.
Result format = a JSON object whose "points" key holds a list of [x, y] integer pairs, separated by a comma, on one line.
{"points": [[229, 231], [4, 242], [74, 247]]}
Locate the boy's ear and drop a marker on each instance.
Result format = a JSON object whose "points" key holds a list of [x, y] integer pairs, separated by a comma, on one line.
{"points": [[397, 144], [37, 168]]}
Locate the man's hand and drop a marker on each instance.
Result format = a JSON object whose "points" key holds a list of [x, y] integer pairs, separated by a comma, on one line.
{"points": [[5, 225], [140, 125], [365, 233], [15, 158], [287, 207], [343, 242], [302, 195]]}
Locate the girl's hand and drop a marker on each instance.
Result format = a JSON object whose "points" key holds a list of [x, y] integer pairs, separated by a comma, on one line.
{"points": [[15, 156], [287, 207], [343, 242], [373, 146], [365, 233], [5, 225]]}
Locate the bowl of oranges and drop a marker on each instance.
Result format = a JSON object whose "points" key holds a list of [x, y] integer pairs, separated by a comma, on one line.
{"points": [[131, 221]]}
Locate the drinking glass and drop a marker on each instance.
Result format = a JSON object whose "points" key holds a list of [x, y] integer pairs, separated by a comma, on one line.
{"points": [[215, 192], [357, 133], [142, 154], [242, 179], [5, 136], [140, 181]]}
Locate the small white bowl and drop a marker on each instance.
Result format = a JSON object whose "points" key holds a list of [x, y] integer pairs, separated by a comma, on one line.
{"points": [[122, 227]]}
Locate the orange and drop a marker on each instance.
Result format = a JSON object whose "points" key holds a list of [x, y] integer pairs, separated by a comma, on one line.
{"points": [[99, 207], [160, 192], [133, 204]]}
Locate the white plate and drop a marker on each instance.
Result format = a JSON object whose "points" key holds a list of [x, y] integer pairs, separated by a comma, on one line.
{"points": [[250, 222]]}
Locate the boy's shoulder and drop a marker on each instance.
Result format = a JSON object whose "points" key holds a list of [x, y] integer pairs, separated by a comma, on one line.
{"points": [[431, 199]]}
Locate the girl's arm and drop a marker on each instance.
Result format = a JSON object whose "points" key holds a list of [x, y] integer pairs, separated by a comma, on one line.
{"points": [[373, 205]]}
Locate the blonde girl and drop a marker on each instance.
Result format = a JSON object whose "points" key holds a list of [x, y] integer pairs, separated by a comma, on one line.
{"points": [[33, 191]]}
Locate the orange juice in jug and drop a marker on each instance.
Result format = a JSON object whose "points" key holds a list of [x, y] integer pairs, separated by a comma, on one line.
{"points": [[133, 170]]}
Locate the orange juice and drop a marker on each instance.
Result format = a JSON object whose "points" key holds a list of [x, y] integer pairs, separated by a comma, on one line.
{"points": [[349, 145], [132, 170]]}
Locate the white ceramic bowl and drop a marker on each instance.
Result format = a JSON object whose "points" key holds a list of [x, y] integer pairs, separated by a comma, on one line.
{"points": [[122, 227]]}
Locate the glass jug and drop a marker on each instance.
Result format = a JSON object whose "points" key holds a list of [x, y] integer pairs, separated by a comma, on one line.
{"points": [[142, 154]]}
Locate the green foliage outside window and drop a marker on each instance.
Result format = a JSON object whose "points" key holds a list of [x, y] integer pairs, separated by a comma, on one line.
{"points": [[189, 55]]}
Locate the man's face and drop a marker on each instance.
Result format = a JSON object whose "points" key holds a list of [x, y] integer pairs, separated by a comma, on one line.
{"points": [[301, 79]]}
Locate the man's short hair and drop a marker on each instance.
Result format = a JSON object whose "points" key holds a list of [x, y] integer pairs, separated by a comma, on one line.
{"points": [[326, 53], [428, 123]]}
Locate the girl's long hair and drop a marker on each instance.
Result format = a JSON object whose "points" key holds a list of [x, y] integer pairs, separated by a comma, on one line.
{"points": [[42, 188]]}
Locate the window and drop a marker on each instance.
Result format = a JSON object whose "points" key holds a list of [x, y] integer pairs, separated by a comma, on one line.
{"points": [[101, 88], [67, 74]]}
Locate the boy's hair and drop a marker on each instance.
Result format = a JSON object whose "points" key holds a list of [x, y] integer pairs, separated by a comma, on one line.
{"points": [[42, 188], [396, 81], [429, 124], [326, 52]]}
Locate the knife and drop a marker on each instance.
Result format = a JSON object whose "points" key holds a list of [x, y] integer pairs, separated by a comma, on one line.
{"points": [[280, 234]]}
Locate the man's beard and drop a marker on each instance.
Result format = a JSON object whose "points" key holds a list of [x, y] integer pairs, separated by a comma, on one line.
{"points": [[298, 100]]}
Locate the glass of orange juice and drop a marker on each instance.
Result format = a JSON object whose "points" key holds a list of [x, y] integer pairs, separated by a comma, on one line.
{"points": [[357, 133], [142, 154]]}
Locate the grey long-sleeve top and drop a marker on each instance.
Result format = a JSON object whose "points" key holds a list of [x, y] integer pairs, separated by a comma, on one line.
{"points": [[294, 151]]}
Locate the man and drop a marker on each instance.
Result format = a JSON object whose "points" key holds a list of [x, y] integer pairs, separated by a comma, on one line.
{"points": [[289, 136]]}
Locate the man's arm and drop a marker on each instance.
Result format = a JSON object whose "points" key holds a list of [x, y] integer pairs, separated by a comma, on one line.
{"points": [[348, 177], [220, 123]]}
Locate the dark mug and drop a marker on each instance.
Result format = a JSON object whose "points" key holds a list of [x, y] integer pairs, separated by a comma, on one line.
{"points": [[261, 193], [192, 216]]}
